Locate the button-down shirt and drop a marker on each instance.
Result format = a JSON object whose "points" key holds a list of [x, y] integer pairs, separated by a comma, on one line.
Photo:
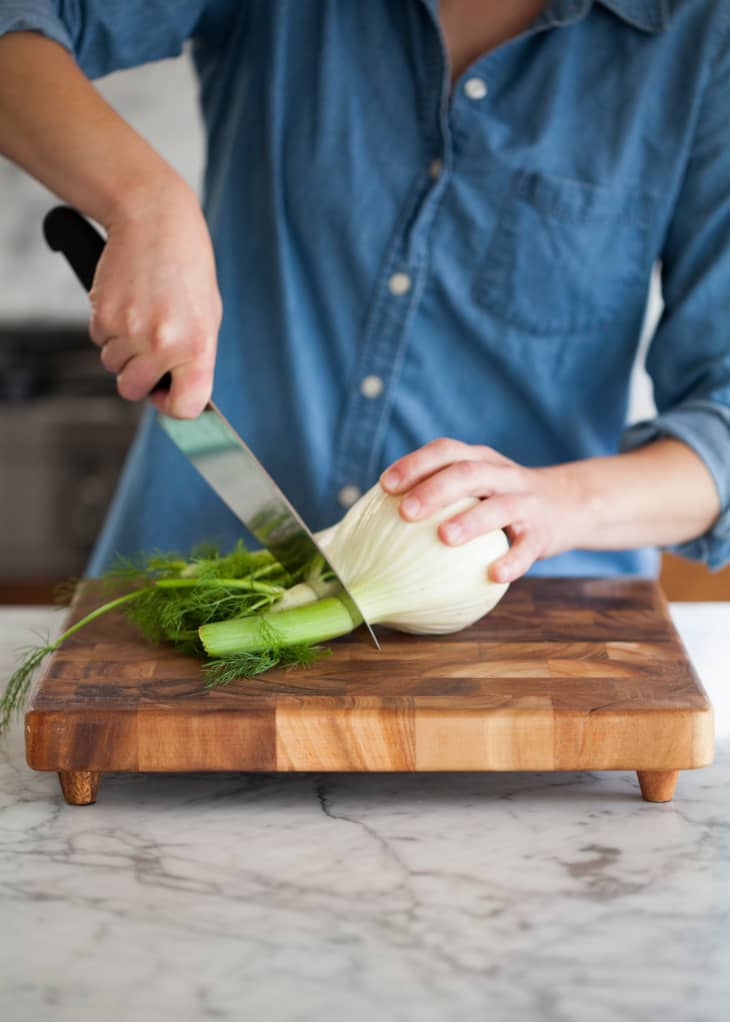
{"points": [[401, 260]]}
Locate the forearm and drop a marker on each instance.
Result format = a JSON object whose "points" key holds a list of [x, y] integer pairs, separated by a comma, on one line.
{"points": [[155, 302], [656, 495], [56, 126]]}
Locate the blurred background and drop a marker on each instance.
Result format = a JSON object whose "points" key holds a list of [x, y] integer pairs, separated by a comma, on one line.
{"points": [[63, 430]]}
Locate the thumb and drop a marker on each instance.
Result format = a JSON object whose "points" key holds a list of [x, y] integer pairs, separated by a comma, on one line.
{"points": [[189, 392]]}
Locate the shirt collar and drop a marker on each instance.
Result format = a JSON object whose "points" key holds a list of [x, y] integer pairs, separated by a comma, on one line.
{"points": [[649, 15]]}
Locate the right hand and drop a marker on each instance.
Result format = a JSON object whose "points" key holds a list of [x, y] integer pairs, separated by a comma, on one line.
{"points": [[155, 302]]}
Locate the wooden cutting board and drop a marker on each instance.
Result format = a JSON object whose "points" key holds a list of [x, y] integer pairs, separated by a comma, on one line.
{"points": [[563, 675]]}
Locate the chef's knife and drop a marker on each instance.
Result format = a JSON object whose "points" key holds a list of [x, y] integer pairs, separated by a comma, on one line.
{"points": [[209, 442]]}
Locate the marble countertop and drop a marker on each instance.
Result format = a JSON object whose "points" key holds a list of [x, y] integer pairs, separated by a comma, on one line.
{"points": [[545, 897]]}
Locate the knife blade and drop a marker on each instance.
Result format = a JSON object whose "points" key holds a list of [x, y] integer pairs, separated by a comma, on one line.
{"points": [[209, 442], [230, 467]]}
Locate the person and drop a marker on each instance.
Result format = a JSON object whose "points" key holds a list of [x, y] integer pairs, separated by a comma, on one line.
{"points": [[432, 227]]}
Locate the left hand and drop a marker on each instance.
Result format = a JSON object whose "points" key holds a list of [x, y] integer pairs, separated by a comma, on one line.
{"points": [[533, 506]]}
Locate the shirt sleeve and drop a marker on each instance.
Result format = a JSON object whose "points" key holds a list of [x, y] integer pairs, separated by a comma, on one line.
{"points": [[109, 35], [689, 356]]}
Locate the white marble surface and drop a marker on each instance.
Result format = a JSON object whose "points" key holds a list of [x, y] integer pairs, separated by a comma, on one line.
{"points": [[545, 897]]}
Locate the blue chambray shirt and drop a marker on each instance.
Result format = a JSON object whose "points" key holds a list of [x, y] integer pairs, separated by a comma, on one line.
{"points": [[399, 261]]}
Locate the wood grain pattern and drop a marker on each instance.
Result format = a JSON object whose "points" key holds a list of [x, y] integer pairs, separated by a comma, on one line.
{"points": [[658, 785], [564, 674], [79, 787]]}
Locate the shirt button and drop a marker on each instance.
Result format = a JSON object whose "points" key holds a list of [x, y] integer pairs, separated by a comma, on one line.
{"points": [[348, 495], [435, 168], [475, 88], [371, 386], [399, 284]]}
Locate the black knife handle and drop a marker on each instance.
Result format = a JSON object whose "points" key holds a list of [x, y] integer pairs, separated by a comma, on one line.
{"points": [[66, 231]]}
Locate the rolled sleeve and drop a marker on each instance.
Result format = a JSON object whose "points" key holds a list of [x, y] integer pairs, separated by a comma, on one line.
{"points": [[35, 16], [110, 35], [705, 427], [689, 356]]}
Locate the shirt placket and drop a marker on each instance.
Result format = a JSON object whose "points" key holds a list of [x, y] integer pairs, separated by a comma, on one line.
{"points": [[399, 289], [404, 273]]}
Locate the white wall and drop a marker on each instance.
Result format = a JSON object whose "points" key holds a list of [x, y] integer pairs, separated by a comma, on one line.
{"points": [[641, 404]]}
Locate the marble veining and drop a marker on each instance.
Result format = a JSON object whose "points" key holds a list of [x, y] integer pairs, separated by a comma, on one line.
{"points": [[537, 896]]}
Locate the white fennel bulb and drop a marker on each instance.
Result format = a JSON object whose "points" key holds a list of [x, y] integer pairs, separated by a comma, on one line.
{"points": [[402, 575]]}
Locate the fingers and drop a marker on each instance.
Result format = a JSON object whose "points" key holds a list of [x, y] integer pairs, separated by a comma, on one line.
{"points": [[522, 554], [411, 469], [139, 376], [506, 512], [460, 479], [111, 318], [140, 359], [502, 512], [494, 513], [513, 498], [189, 394], [156, 307], [116, 353]]}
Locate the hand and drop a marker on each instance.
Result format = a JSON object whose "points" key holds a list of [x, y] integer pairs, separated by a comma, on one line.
{"points": [[533, 506], [155, 301]]}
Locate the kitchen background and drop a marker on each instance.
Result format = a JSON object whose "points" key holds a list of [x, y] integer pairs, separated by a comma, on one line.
{"points": [[63, 430]]}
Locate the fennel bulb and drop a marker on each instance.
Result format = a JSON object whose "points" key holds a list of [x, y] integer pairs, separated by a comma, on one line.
{"points": [[400, 574], [403, 576]]}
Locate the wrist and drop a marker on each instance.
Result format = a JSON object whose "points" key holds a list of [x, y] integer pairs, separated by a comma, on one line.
{"points": [[130, 199], [577, 505]]}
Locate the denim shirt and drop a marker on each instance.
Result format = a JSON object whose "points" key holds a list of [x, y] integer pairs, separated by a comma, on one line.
{"points": [[400, 260]]}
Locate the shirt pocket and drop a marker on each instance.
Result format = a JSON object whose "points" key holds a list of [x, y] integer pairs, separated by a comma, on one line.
{"points": [[565, 255]]}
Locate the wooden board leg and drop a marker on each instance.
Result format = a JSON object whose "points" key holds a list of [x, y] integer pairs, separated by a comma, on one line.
{"points": [[79, 786], [657, 785]]}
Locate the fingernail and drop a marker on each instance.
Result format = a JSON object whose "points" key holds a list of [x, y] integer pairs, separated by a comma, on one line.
{"points": [[390, 479], [453, 533], [187, 406], [411, 506]]}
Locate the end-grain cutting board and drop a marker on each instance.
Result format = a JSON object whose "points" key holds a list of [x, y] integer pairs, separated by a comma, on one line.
{"points": [[562, 675]]}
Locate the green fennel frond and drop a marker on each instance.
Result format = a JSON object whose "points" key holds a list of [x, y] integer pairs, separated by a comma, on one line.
{"points": [[18, 687], [16, 691], [169, 597], [224, 670]]}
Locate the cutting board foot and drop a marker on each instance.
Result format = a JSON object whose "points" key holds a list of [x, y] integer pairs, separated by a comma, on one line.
{"points": [[79, 786], [657, 785]]}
